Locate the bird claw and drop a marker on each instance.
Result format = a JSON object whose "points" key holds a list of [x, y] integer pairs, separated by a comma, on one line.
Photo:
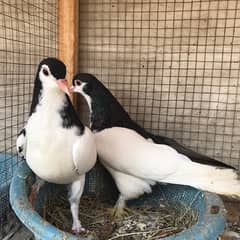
{"points": [[120, 212], [80, 230]]}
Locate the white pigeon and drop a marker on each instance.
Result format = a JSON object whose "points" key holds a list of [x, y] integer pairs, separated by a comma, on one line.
{"points": [[57, 146], [135, 164]]}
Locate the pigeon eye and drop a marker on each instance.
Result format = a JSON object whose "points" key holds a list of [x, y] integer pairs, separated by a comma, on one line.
{"points": [[45, 72], [77, 82]]}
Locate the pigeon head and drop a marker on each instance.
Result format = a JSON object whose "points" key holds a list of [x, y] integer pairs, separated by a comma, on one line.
{"points": [[85, 84], [52, 73], [105, 110], [94, 92]]}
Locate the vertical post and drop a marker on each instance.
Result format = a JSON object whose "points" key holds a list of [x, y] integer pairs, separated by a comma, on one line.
{"points": [[68, 12]]}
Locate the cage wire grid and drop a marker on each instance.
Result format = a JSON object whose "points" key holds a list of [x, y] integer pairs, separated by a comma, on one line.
{"points": [[28, 33], [173, 65]]}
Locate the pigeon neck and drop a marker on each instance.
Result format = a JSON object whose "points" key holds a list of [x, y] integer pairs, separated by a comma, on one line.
{"points": [[37, 91], [107, 112], [69, 116], [54, 98], [99, 115], [89, 101]]}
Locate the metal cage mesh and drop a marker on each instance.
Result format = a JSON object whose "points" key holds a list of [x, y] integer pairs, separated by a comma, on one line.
{"points": [[28, 33], [174, 65]]}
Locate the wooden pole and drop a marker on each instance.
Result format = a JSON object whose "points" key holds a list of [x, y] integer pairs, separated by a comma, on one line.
{"points": [[68, 12]]}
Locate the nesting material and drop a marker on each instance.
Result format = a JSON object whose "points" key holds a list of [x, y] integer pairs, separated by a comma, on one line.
{"points": [[144, 222]]}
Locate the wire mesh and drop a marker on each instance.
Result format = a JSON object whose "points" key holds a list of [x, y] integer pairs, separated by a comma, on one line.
{"points": [[173, 65], [28, 33]]}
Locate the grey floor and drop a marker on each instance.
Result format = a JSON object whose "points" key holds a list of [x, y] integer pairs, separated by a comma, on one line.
{"points": [[21, 234], [14, 230]]}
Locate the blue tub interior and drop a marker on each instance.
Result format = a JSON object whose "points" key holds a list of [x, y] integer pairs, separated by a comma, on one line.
{"points": [[208, 226]]}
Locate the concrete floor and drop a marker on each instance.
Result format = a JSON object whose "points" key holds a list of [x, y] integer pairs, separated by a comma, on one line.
{"points": [[233, 221]]}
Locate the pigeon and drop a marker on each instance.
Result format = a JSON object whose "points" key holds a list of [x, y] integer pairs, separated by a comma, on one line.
{"points": [[21, 143], [106, 112], [56, 145], [136, 163], [21, 151]]}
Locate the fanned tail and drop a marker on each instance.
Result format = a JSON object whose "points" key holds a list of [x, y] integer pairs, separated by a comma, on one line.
{"points": [[208, 178]]}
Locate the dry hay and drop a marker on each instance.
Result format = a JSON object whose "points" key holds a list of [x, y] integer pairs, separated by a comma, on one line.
{"points": [[144, 222]]}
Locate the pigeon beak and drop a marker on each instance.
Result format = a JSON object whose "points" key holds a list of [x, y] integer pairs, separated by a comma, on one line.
{"points": [[72, 89], [63, 85]]}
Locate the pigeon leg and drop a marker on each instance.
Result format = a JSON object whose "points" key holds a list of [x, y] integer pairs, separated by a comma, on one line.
{"points": [[75, 193], [120, 210], [35, 189]]}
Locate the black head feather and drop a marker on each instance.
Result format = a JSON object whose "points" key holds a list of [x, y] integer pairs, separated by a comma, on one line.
{"points": [[68, 115], [106, 110], [57, 67], [58, 70]]}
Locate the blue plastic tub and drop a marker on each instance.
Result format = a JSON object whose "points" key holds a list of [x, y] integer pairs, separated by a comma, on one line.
{"points": [[8, 164], [208, 227]]}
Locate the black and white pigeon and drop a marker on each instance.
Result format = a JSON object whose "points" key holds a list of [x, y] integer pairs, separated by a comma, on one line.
{"points": [[106, 112], [136, 163], [21, 143], [56, 145]]}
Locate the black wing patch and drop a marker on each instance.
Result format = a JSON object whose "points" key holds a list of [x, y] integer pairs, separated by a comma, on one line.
{"points": [[69, 117]]}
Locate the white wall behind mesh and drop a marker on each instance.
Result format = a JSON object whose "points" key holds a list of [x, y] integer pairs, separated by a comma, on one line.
{"points": [[28, 33], [174, 65]]}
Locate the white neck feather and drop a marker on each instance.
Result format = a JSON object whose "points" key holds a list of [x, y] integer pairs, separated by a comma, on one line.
{"points": [[52, 99]]}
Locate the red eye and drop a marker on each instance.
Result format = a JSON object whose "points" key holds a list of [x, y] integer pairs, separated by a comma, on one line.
{"points": [[78, 82]]}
